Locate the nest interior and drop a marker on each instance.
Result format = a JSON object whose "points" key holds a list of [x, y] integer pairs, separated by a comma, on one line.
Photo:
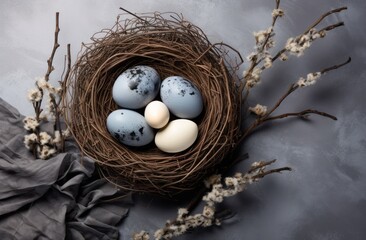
{"points": [[172, 46]]}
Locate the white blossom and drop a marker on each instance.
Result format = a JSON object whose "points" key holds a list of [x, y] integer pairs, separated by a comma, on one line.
{"points": [[181, 213], [42, 83], [259, 110], [262, 35], [44, 138], [57, 137], [251, 56], [310, 79], [159, 234], [208, 211], [30, 123], [252, 78], [30, 140], [277, 12], [55, 90], [141, 236], [66, 133], [35, 95], [45, 151], [298, 45], [283, 57], [267, 62]]}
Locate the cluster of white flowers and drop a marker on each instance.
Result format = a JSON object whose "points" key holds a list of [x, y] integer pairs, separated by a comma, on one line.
{"points": [[252, 78], [50, 108], [298, 45], [44, 138], [143, 235], [43, 84], [39, 142], [310, 79], [233, 185], [45, 151], [261, 36], [264, 42], [259, 110], [35, 95], [30, 123], [219, 191], [267, 62], [30, 140], [46, 145], [283, 57], [277, 12]]}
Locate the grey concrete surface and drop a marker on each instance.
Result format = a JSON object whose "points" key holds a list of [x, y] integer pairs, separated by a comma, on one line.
{"points": [[325, 196]]}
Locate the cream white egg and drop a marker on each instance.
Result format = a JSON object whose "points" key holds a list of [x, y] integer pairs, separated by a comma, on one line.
{"points": [[157, 114], [177, 136]]}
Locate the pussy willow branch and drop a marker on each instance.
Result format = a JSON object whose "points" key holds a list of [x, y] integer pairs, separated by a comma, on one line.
{"points": [[203, 189], [255, 61], [57, 123], [258, 171], [293, 87], [316, 23], [37, 105]]}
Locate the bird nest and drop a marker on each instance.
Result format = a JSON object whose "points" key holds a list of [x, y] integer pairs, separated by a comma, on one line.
{"points": [[172, 46]]}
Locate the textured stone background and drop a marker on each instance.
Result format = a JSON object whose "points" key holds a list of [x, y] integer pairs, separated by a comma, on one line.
{"points": [[324, 197]]}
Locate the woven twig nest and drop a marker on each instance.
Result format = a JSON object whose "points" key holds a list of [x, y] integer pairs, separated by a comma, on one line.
{"points": [[172, 46]]}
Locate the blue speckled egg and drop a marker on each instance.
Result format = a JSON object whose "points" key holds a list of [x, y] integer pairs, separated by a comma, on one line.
{"points": [[182, 97], [129, 128], [136, 87]]}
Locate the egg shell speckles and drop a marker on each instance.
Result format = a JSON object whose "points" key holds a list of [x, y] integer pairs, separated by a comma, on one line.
{"points": [[182, 97], [129, 128], [136, 87]]}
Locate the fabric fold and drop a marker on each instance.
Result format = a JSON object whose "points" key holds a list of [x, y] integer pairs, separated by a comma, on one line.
{"points": [[58, 198]]}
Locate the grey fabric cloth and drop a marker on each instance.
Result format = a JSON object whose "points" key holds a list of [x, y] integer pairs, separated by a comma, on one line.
{"points": [[59, 198]]}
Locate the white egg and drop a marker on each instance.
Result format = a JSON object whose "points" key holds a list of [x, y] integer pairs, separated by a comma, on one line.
{"points": [[177, 136], [156, 114]]}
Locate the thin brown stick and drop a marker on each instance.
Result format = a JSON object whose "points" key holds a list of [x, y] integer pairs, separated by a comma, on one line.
{"points": [[276, 170], [336, 66], [135, 15], [322, 17], [221, 44], [331, 27], [55, 46], [302, 114], [59, 110], [261, 164], [290, 90]]}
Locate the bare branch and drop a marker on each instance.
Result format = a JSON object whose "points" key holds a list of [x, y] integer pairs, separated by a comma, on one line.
{"points": [[55, 46]]}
